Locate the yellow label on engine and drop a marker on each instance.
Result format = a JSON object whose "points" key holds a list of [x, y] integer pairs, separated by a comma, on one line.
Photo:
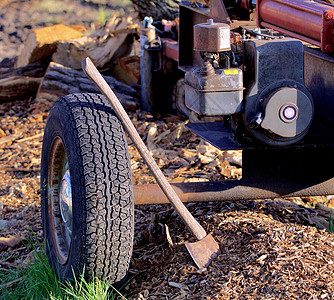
{"points": [[231, 71]]}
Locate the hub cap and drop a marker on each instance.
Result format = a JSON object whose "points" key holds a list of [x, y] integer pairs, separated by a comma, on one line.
{"points": [[60, 200], [66, 200]]}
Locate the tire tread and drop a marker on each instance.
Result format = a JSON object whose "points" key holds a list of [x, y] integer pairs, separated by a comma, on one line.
{"points": [[106, 180]]}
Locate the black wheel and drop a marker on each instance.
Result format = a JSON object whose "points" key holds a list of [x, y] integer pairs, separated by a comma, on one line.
{"points": [[86, 190]]}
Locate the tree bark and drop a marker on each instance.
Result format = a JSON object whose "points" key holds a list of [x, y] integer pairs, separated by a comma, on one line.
{"points": [[31, 70], [21, 83], [18, 88], [157, 9], [59, 81]]}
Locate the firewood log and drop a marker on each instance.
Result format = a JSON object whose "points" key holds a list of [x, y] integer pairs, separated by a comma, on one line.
{"points": [[18, 88], [101, 46], [32, 70], [59, 81], [41, 43], [21, 83], [157, 9]]}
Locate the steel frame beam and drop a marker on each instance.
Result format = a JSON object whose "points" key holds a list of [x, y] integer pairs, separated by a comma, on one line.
{"points": [[267, 173]]}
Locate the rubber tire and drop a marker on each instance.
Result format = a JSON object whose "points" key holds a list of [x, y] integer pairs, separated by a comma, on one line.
{"points": [[102, 189]]}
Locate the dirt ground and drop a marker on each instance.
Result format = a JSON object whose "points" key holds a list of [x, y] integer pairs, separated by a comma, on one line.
{"points": [[270, 249]]}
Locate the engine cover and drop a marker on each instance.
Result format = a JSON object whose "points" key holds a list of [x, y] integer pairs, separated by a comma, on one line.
{"points": [[278, 108], [219, 93]]}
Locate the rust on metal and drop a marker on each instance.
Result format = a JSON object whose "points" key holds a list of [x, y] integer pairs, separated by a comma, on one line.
{"points": [[204, 251], [235, 37], [57, 162], [327, 39], [230, 190], [218, 11], [171, 49]]}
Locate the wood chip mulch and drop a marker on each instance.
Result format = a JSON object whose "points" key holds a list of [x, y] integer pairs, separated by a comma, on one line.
{"points": [[269, 250]]}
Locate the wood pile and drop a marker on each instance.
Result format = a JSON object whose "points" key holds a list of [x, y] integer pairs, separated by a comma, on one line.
{"points": [[157, 9], [49, 65], [101, 46], [42, 43], [21, 83]]}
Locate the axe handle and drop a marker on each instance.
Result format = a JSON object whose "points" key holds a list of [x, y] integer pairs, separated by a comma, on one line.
{"points": [[183, 212]]}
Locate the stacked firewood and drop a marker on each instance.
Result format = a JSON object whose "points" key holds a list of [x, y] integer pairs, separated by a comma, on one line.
{"points": [[49, 65]]}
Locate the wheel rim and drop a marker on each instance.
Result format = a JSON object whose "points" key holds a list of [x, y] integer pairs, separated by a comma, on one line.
{"points": [[60, 200]]}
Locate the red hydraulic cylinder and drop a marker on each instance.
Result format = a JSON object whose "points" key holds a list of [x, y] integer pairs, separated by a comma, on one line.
{"points": [[307, 20]]}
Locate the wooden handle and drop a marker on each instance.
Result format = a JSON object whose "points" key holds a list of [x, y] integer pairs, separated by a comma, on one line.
{"points": [[183, 212]]}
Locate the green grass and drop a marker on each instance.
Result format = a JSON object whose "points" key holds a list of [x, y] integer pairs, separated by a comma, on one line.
{"points": [[95, 290], [331, 222], [59, 11], [38, 281], [102, 15]]}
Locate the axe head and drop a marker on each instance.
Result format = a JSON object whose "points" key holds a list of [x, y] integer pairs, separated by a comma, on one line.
{"points": [[203, 251]]}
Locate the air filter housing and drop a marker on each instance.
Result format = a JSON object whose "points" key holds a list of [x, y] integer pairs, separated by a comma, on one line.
{"points": [[212, 37]]}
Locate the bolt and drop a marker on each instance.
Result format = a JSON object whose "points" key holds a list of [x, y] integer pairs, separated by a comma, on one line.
{"points": [[329, 15], [329, 48]]}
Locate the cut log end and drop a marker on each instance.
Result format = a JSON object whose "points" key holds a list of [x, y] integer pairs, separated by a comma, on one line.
{"points": [[41, 43]]}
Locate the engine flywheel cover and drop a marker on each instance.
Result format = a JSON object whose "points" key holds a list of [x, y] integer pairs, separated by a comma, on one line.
{"points": [[288, 112]]}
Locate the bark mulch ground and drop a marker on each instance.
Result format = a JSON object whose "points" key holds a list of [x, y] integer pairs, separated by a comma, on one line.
{"points": [[271, 249]]}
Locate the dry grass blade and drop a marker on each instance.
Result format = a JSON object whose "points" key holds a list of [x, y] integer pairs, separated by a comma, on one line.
{"points": [[30, 137], [7, 139], [11, 283]]}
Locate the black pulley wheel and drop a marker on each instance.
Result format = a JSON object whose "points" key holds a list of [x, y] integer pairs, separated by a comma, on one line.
{"points": [[86, 190]]}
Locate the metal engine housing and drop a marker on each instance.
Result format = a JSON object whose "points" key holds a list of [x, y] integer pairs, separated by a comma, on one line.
{"points": [[278, 107], [219, 93]]}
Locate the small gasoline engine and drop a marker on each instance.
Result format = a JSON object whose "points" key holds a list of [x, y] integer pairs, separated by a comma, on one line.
{"points": [[255, 79]]}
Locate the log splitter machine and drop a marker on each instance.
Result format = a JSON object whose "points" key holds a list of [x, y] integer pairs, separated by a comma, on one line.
{"points": [[273, 91]]}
